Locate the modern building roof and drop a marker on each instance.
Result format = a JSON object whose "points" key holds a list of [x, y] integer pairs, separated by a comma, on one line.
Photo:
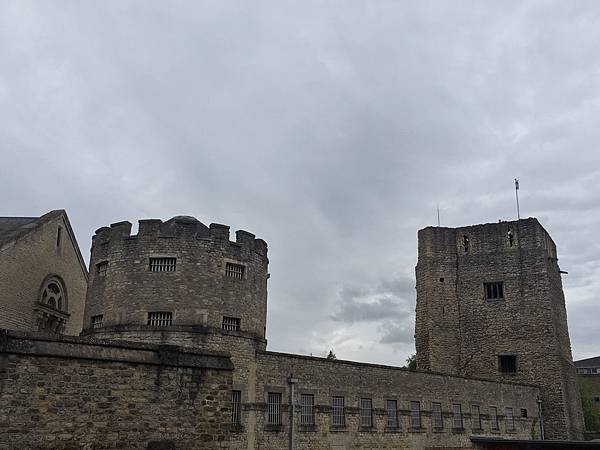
{"points": [[588, 362]]}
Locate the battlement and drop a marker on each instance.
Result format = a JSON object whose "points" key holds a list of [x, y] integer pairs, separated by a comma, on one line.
{"points": [[179, 227], [485, 238], [175, 275]]}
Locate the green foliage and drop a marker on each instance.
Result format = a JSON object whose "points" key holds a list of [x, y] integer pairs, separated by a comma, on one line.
{"points": [[591, 410], [411, 362]]}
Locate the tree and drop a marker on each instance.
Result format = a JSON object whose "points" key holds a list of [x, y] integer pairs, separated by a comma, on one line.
{"points": [[331, 355], [591, 412], [411, 362]]}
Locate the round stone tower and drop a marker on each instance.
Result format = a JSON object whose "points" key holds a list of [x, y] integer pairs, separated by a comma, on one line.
{"points": [[178, 282]]}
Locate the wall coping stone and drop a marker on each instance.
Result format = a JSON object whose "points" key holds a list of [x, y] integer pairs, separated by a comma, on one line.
{"points": [[60, 346], [396, 368]]}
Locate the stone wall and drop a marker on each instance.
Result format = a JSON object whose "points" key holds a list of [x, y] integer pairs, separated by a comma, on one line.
{"points": [[529, 321], [197, 292], [325, 378], [29, 260], [69, 393]]}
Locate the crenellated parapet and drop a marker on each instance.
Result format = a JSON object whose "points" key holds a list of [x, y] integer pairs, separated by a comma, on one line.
{"points": [[177, 276], [179, 227]]}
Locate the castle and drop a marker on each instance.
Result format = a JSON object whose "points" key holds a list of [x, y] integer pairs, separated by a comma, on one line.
{"points": [[173, 352]]}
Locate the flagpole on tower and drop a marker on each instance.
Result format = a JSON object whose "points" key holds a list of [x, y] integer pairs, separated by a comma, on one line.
{"points": [[517, 196]]}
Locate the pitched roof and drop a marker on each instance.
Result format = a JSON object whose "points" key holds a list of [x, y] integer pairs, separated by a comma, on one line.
{"points": [[589, 362], [14, 228]]}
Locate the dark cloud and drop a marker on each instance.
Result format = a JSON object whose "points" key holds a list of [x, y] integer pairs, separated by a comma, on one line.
{"points": [[330, 129]]}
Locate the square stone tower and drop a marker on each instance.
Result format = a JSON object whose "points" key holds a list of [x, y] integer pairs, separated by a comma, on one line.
{"points": [[490, 304]]}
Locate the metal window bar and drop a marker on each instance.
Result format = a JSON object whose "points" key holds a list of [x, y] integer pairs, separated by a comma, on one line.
{"points": [[366, 412], [97, 321], [101, 269], [163, 264], [415, 414], [457, 418], [475, 417], [494, 290], [236, 408], [337, 411], [436, 412], [160, 319], [494, 418], [274, 408], [307, 410], [231, 323], [234, 271], [391, 407], [510, 418]]}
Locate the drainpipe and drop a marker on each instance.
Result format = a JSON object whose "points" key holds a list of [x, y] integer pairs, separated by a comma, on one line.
{"points": [[292, 382], [541, 418]]}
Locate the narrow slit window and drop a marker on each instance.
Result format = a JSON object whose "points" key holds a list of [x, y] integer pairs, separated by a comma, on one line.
{"points": [[415, 415], [307, 413], [494, 291], [97, 321], [274, 408], [231, 324], [494, 418], [457, 418], [436, 412], [391, 407], [466, 243], [510, 418], [160, 319], [234, 271], [366, 412], [162, 264], [58, 236], [475, 417], [236, 408], [337, 412]]}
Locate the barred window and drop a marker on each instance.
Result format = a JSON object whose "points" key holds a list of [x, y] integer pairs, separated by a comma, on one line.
{"points": [[507, 364], [475, 417], [236, 408], [494, 291], [162, 264], [494, 418], [97, 321], [160, 319], [307, 412], [415, 414], [457, 418], [366, 412], [436, 414], [391, 407], [337, 411], [234, 271], [231, 323], [102, 268], [274, 408], [510, 418]]}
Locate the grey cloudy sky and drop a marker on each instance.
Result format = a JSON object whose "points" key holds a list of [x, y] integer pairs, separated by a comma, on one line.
{"points": [[329, 128]]}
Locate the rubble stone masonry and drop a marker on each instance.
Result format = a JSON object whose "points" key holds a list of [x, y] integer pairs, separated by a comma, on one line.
{"points": [[68, 393]]}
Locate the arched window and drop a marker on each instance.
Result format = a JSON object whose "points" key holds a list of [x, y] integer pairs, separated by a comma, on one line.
{"points": [[52, 294], [51, 306]]}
